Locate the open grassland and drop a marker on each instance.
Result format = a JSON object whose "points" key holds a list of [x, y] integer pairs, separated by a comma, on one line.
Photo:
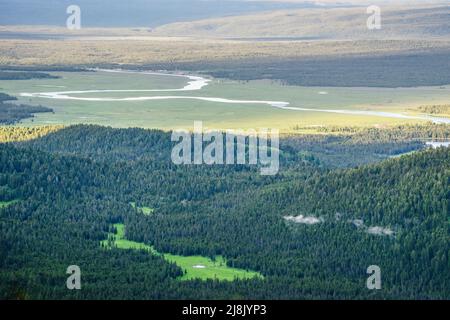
{"points": [[181, 113], [171, 50], [4, 204], [194, 267], [284, 34], [399, 22]]}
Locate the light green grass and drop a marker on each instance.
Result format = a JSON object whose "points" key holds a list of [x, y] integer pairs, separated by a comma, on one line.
{"points": [[404, 154], [4, 204], [147, 211], [177, 114], [122, 243], [210, 269]]}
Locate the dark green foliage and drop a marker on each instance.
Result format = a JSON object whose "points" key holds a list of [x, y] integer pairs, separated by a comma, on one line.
{"points": [[18, 75], [6, 97], [11, 113], [75, 183], [349, 146], [419, 69], [34, 68]]}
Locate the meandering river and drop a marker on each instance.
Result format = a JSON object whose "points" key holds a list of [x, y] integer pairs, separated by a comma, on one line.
{"points": [[197, 83]]}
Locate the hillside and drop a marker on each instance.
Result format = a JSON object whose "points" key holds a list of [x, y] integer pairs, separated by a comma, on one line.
{"points": [[136, 13], [65, 194], [400, 22]]}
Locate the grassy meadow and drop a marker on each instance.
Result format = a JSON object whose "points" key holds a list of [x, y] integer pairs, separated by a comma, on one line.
{"points": [[4, 204], [146, 211], [177, 114], [194, 267]]}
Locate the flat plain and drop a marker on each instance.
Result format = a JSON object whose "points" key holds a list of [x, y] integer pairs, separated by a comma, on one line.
{"points": [[181, 113]]}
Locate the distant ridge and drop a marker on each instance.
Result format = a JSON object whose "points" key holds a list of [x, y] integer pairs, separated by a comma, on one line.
{"points": [[135, 13], [405, 22]]}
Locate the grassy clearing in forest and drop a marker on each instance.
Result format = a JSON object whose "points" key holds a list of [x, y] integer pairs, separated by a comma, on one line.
{"points": [[194, 267], [4, 204], [146, 211]]}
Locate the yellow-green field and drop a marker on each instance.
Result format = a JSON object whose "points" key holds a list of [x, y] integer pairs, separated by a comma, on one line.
{"points": [[194, 267], [181, 113]]}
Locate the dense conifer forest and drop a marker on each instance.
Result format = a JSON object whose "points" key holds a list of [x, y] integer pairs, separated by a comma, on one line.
{"points": [[62, 194]]}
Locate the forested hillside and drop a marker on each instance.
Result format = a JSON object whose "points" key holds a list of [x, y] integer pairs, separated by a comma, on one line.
{"points": [[63, 193]]}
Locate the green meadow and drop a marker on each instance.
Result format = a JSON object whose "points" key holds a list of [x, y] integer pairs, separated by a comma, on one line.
{"points": [[4, 204], [194, 267], [147, 211], [177, 114]]}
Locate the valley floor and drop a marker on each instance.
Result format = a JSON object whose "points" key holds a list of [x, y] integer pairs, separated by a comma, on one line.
{"points": [[174, 101]]}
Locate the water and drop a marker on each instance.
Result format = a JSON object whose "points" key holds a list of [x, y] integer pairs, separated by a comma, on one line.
{"points": [[196, 83]]}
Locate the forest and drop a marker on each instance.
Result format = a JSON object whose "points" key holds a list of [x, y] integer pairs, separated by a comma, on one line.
{"points": [[14, 134], [6, 97], [436, 109], [423, 69], [64, 192], [33, 69], [11, 113], [19, 75]]}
